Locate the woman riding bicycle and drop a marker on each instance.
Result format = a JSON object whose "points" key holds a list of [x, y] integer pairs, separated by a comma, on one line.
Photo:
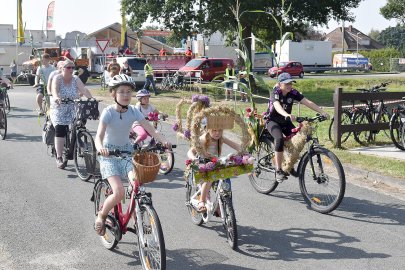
{"points": [[113, 133], [64, 86], [280, 119], [145, 108]]}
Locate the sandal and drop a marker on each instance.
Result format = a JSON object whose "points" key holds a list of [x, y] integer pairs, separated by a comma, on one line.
{"points": [[99, 224], [201, 207]]}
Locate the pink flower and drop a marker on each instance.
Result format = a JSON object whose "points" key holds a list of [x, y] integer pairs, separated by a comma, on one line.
{"points": [[251, 160], [245, 160], [188, 162], [248, 110], [202, 168], [214, 159]]}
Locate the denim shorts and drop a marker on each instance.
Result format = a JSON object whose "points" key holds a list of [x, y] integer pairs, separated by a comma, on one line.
{"points": [[111, 165]]}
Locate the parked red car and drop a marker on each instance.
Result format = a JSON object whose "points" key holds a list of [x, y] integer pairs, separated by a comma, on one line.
{"points": [[209, 67], [293, 68]]}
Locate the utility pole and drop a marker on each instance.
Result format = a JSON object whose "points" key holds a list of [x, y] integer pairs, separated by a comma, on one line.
{"points": [[343, 42]]}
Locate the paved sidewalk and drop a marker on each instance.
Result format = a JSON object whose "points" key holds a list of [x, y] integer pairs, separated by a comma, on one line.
{"points": [[384, 151]]}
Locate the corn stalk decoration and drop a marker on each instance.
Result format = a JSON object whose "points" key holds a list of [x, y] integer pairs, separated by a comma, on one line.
{"points": [[252, 118]]}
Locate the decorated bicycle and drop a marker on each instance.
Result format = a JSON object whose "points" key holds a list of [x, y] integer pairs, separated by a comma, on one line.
{"points": [[208, 171]]}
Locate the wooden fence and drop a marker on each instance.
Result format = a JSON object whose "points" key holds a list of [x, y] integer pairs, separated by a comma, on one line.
{"points": [[339, 98]]}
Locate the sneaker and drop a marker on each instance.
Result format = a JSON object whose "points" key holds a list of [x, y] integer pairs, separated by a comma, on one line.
{"points": [[246, 100], [281, 176], [242, 100], [41, 113], [59, 163], [226, 99]]}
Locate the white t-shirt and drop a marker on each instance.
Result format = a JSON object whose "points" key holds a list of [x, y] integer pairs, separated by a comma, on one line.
{"points": [[44, 72]]}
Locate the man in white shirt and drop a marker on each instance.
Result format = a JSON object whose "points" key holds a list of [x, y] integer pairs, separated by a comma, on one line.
{"points": [[41, 80]]}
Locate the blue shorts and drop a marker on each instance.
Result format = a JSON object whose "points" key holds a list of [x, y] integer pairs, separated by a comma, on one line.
{"points": [[111, 166]]}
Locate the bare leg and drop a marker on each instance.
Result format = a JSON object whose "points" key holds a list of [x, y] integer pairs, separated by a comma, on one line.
{"points": [[39, 101], [113, 199]]}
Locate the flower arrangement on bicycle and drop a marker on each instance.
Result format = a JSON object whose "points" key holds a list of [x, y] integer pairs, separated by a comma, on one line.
{"points": [[207, 166]]}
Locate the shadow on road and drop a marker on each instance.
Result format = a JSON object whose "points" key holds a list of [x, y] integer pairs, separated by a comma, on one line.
{"points": [[298, 244], [372, 212], [23, 137]]}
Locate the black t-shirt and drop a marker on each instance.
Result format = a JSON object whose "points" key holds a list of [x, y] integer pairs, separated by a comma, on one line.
{"points": [[286, 102]]}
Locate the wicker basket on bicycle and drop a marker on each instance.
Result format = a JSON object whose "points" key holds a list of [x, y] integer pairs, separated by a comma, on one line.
{"points": [[147, 166]]}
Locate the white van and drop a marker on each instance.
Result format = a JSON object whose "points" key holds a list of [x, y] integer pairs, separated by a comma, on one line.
{"points": [[137, 64]]}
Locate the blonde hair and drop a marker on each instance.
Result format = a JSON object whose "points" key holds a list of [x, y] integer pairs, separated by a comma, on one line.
{"points": [[208, 140]]}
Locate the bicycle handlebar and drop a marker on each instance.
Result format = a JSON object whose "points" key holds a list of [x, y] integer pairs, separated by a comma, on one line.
{"points": [[318, 118], [375, 88], [119, 153]]}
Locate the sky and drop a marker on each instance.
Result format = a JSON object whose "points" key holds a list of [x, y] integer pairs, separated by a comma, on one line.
{"points": [[90, 15]]}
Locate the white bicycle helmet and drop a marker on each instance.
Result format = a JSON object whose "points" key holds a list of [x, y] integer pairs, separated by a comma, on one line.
{"points": [[142, 93], [121, 79]]}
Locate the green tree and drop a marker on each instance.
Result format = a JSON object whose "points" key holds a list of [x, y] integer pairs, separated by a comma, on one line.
{"points": [[374, 34], [394, 9], [393, 37], [186, 17]]}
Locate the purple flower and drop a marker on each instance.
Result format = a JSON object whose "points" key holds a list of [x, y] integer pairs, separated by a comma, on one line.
{"points": [[210, 166], [195, 98], [237, 160], [187, 134], [176, 126], [202, 168], [205, 100]]}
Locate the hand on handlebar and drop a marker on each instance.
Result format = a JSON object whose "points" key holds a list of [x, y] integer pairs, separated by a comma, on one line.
{"points": [[104, 152], [291, 117]]}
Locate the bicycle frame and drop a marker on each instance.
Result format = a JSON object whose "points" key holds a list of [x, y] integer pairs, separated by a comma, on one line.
{"points": [[211, 205]]}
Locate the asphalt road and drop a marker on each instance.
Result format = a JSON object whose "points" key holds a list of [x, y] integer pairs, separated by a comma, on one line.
{"points": [[47, 218]]}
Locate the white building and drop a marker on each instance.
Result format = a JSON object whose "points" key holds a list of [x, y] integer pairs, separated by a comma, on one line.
{"points": [[10, 50]]}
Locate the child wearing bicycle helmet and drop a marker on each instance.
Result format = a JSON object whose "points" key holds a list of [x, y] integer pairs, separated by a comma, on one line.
{"points": [[113, 133], [213, 141], [280, 119], [145, 108]]}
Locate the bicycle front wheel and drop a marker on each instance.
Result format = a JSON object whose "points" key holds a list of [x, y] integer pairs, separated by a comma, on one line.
{"points": [[101, 192], [151, 243], [322, 180], [263, 178], [230, 222], [403, 135], [84, 155], [3, 123], [395, 131]]}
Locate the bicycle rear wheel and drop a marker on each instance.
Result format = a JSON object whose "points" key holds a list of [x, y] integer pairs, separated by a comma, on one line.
{"points": [[323, 184], [101, 192], [167, 162], [263, 178], [395, 130], [230, 222], [403, 135], [3, 123], [362, 117], [346, 120], [84, 155], [151, 243], [7, 103]]}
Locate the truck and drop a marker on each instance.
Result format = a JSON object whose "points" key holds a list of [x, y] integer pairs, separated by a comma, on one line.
{"points": [[87, 63], [314, 55]]}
